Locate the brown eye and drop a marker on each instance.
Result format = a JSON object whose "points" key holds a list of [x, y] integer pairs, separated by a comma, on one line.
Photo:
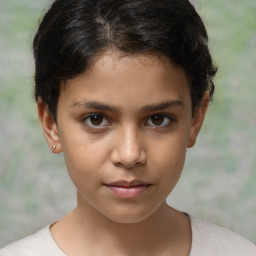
{"points": [[157, 119], [96, 120], [160, 120]]}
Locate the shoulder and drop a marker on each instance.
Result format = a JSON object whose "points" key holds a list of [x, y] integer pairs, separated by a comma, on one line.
{"points": [[38, 244], [209, 239]]}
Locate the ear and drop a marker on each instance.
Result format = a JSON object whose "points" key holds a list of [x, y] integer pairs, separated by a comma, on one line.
{"points": [[49, 127], [198, 120]]}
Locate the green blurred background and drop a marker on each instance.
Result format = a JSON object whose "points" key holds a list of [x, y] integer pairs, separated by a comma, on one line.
{"points": [[219, 178]]}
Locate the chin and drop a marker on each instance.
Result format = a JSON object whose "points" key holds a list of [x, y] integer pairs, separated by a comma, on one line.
{"points": [[129, 216]]}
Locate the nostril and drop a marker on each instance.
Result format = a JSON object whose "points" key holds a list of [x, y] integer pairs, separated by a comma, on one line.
{"points": [[128, 165], [129, 161]]}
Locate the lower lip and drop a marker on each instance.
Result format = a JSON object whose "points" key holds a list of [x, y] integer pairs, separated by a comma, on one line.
{"points": [[128, 192]]}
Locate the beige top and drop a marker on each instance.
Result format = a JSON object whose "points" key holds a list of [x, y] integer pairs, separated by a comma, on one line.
{"points": [[207, 240]]}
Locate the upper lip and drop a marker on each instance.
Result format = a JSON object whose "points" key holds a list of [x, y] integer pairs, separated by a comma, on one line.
{"points": [[124, 183]]}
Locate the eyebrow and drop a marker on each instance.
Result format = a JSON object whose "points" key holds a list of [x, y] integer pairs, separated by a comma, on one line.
{"points": [[148, 108], [95, 105], [162, 105]]}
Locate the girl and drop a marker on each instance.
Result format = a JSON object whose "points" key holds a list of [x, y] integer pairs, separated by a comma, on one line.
{"points": [[122, 88]]}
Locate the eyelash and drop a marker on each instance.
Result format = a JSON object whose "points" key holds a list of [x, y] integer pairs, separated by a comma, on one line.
{"points": [[169, 118], [87, 117]]}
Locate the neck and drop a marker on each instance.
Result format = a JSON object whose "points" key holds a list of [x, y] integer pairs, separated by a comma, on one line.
{"points": [[95, 232]]}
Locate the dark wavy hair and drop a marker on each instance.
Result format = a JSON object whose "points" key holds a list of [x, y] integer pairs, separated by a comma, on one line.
{"points": [[73, 32]]}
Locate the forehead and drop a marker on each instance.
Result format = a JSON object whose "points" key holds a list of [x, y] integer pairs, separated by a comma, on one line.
{"points": [[143, 79], [148, 66]]}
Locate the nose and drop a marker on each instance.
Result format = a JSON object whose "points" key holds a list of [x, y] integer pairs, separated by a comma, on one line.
{"points": [[128, 151]]}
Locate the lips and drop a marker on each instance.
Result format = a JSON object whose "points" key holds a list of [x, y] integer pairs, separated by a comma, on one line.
{"points": [[127, 189]]}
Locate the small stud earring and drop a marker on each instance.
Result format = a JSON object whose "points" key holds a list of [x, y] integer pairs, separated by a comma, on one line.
{"points": [[54, 147]]}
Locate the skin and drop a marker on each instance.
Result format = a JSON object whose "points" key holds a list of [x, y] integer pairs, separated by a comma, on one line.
{"points": [[146, 127]]}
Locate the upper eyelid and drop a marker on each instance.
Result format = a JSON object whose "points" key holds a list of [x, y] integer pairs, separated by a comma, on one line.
{"points": [[96, 114], [171, 116]]}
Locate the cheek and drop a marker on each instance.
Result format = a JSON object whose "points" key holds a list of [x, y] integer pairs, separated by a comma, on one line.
{"points": [[79, 146], [83, 166], [83, 155], [84, 158], [171, 163], [169, 157]]}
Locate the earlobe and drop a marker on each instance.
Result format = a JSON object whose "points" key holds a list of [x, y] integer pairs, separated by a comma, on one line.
{"points": [[198, 120], [49, 127]]}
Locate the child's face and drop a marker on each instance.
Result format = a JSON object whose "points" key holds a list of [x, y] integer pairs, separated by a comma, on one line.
{"points": [[124, 127]]}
